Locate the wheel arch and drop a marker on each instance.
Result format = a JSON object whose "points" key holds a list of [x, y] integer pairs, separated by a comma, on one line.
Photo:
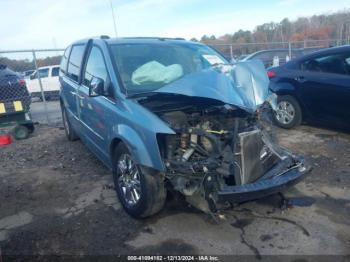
{"points": [[145, 153], [114, 143], [288, 89]]}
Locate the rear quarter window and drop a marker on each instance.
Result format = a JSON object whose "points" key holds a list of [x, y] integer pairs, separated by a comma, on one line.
{"points": [[74, 62], [64, 60]]}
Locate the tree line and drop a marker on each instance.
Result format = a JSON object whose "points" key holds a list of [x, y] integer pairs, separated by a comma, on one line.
{"points": [[21, 65], [304, 29]]}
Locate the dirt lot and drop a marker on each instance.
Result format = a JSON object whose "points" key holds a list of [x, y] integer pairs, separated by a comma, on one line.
{"points": [[57, 198]]}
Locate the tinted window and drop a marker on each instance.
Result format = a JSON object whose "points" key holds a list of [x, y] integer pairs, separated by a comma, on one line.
{"points": [[336, 64], [55, 71], [64, 60], [268, 57], [44, 72], [74, 63], [95, 66]]}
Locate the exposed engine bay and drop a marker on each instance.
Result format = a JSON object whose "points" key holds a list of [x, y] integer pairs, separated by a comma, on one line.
{"points": [[214, 147]]}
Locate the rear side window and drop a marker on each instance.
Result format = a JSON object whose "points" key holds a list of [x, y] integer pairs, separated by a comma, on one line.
{"points": [[74, 63], [64, 60], [44, 72], [334, 64], [266, 56], [55, 71]]}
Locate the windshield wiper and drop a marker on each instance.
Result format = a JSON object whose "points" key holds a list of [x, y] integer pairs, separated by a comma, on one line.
{"points": [[143, 94], [218, 64]]}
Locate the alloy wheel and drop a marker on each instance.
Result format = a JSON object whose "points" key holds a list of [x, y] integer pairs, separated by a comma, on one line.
{"points": [[129, 179], [285, 112]]}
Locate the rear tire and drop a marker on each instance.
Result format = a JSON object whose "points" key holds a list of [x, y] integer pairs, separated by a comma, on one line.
{"points": [[288, 113], [140, 190], [70, 133], [30, 127]]}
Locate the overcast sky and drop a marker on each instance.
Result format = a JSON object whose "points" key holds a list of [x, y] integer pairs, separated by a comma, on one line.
{"points": [[48, 23]]}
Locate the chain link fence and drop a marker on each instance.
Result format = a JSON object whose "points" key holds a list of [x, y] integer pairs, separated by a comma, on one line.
{"points": [[29, 83], [29, 78], [278, 51]]}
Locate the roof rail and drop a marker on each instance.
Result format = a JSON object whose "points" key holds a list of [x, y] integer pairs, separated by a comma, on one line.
{"points": [[155, 37], [104, 37]]}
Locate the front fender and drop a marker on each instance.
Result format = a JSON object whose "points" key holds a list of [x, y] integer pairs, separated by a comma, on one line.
{"points": [[142, 145], [282, 88]]}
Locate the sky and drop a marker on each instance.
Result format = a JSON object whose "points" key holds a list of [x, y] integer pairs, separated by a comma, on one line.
{"points": [[28, 24]]}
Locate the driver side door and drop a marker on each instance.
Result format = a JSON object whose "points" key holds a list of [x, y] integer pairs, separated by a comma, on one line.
{"points": [[325, 88], [92, 110]]}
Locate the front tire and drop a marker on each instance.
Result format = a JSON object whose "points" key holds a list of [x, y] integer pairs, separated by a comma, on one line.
{"points": [[288, 113], [140, 190]]}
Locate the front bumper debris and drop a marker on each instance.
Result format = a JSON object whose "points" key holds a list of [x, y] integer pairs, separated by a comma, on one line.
{"points": [[273, 182]]}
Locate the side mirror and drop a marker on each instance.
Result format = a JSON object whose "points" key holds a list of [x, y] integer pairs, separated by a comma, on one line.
{"points": [[96, 87], [31, 77]]}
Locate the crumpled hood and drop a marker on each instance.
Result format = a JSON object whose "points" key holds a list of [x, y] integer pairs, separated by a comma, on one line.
{"points": [[244, 85]]}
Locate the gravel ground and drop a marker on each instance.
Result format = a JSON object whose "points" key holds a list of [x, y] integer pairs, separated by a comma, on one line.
{"points": [[57, 198]]}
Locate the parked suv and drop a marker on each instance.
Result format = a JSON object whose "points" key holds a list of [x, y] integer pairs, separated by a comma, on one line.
{"points": [[170, 114]]}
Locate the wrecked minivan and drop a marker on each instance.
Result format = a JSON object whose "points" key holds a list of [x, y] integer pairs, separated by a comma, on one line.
{"points": [[172, 115]]}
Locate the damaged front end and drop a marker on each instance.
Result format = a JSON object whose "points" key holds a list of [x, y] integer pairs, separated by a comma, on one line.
{"points": [[223, 151], [223, 154]]}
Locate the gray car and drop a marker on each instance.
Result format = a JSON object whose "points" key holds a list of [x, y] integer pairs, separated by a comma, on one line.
{"points": [[172, 115]]}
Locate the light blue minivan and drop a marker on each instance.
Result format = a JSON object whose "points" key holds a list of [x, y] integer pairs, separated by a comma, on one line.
{"points": [[172, 115]]}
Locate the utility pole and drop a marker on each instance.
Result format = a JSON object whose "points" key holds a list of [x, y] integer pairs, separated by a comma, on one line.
{"points": [[55, 45], [113, 17]]}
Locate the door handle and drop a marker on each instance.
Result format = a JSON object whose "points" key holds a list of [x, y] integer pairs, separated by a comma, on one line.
{"points": [[76, 94], [300, 79], [80, 96]]}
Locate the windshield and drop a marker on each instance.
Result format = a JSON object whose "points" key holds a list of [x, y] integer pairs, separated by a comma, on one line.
{"points": [[147, 67]]}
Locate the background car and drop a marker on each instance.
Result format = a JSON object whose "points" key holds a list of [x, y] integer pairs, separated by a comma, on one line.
{"points": [[49, 80], [314, 88], [12, 88], [267, 56]]}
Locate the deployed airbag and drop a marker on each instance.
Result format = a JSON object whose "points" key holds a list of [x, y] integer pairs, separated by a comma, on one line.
{"points": [[155, 72]]}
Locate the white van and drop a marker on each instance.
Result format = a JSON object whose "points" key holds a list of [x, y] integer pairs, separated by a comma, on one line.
{"points": [[49, 80]]}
